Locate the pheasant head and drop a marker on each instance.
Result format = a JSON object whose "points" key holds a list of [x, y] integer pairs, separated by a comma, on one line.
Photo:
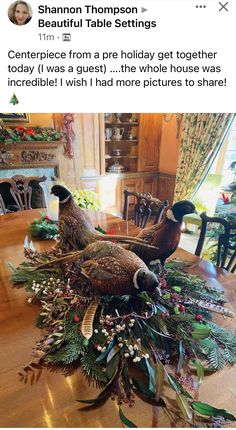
{"points": [[144, 279], [179, 209], [61, 192]]}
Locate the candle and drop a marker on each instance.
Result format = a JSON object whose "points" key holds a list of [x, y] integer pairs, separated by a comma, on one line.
{"points": [[52, 210], [52, 205]]}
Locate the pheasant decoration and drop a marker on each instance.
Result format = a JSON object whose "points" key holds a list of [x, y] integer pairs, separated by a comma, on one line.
{"points": [[75, 227], [164, 236], [110, 269]]}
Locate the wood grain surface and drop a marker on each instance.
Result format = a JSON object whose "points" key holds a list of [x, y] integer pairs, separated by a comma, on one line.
{"points": [[51, 402]]}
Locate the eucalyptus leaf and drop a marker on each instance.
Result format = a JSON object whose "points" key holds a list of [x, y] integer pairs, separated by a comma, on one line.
{"points": [[200, 370], [105, 353], [94, 401], [210, 411], [112, 352], [155, 331], [146, 393], [181, 356], [175, 385], [125, 420], [112, 365], [184, 406], [159, 379], [151, 376]]}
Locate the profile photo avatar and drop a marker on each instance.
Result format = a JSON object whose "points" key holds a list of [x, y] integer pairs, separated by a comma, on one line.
{"points": [[20, 13]]}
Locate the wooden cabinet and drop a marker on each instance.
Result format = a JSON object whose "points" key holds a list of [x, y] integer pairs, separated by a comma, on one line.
{"points": [[166, 187], [121, 139], [149, 142], [148, 184], [133, 185], [131, 140]]}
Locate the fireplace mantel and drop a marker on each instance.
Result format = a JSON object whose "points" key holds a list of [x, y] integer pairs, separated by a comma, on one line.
{"points": [[30, 154]]}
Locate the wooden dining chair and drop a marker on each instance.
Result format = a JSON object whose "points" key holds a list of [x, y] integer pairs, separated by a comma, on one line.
{"points": [[3, 209], [21, 190], [145, 205], [226, 246]]}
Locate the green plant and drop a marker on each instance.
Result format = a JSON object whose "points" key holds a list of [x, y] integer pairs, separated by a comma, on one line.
{"points": [[87, 199]]}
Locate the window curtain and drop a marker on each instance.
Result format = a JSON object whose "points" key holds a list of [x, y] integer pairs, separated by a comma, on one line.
{"points": [[201, 138]]}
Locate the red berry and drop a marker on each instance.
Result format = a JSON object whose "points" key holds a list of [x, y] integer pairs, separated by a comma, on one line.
{"points": [[76, 318], [198, 317], [163, 284], [181, 308]]}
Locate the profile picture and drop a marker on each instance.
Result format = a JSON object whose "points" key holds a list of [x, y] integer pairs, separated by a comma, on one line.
{"points": [[20, 12]]}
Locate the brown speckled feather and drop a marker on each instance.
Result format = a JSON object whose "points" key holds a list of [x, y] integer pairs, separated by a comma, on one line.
{"points": [[165, 236], [107, 275], [109, 267]]}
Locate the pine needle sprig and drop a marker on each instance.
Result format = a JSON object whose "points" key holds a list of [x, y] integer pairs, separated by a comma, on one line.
{"points": [[93, 371]]}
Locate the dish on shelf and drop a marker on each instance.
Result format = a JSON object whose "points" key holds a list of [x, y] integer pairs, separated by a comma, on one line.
{"points": [[116, 168], [116, 151]]}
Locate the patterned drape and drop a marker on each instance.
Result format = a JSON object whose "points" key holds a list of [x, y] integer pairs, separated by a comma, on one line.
{"points": [[201, 137]]}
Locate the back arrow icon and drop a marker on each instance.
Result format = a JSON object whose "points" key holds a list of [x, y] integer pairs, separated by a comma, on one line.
{"points": [[143, 9]]}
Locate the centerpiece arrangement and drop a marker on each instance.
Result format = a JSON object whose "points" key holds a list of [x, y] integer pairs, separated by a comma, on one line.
{"points": [[133, 330]]}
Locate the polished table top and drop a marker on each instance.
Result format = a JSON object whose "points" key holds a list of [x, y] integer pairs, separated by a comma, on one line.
{"points": [[51, 402]]}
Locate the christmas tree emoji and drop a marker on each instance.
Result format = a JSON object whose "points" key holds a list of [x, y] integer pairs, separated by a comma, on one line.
{"points": [[14, 100]]}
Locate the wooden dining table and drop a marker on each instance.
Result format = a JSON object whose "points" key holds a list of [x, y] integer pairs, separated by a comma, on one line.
{"points": [[51, 401]]}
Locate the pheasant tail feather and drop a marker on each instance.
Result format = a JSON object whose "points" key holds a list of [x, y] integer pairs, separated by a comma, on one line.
{"points": [[214, 308], [87, 324]]}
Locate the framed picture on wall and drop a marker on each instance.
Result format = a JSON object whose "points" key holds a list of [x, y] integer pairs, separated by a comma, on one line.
{"points": [[14, 117]]}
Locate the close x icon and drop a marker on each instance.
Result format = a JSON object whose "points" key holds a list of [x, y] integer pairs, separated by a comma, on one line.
{"points": [[223, 6]]}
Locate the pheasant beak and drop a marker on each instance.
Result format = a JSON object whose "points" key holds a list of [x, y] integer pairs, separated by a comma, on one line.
{"points": [[195, 212]]}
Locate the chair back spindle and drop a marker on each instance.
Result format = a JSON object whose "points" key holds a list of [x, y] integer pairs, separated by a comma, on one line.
{"points": [[144, 207], [21, 190], [226, 246]]}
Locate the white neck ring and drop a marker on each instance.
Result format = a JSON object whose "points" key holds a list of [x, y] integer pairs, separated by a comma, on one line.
{"points": [[170, 215], [66, 199]]}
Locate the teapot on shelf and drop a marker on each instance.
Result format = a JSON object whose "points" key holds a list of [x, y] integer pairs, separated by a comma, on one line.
{"points": [[116, 168], [118, 133]]}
